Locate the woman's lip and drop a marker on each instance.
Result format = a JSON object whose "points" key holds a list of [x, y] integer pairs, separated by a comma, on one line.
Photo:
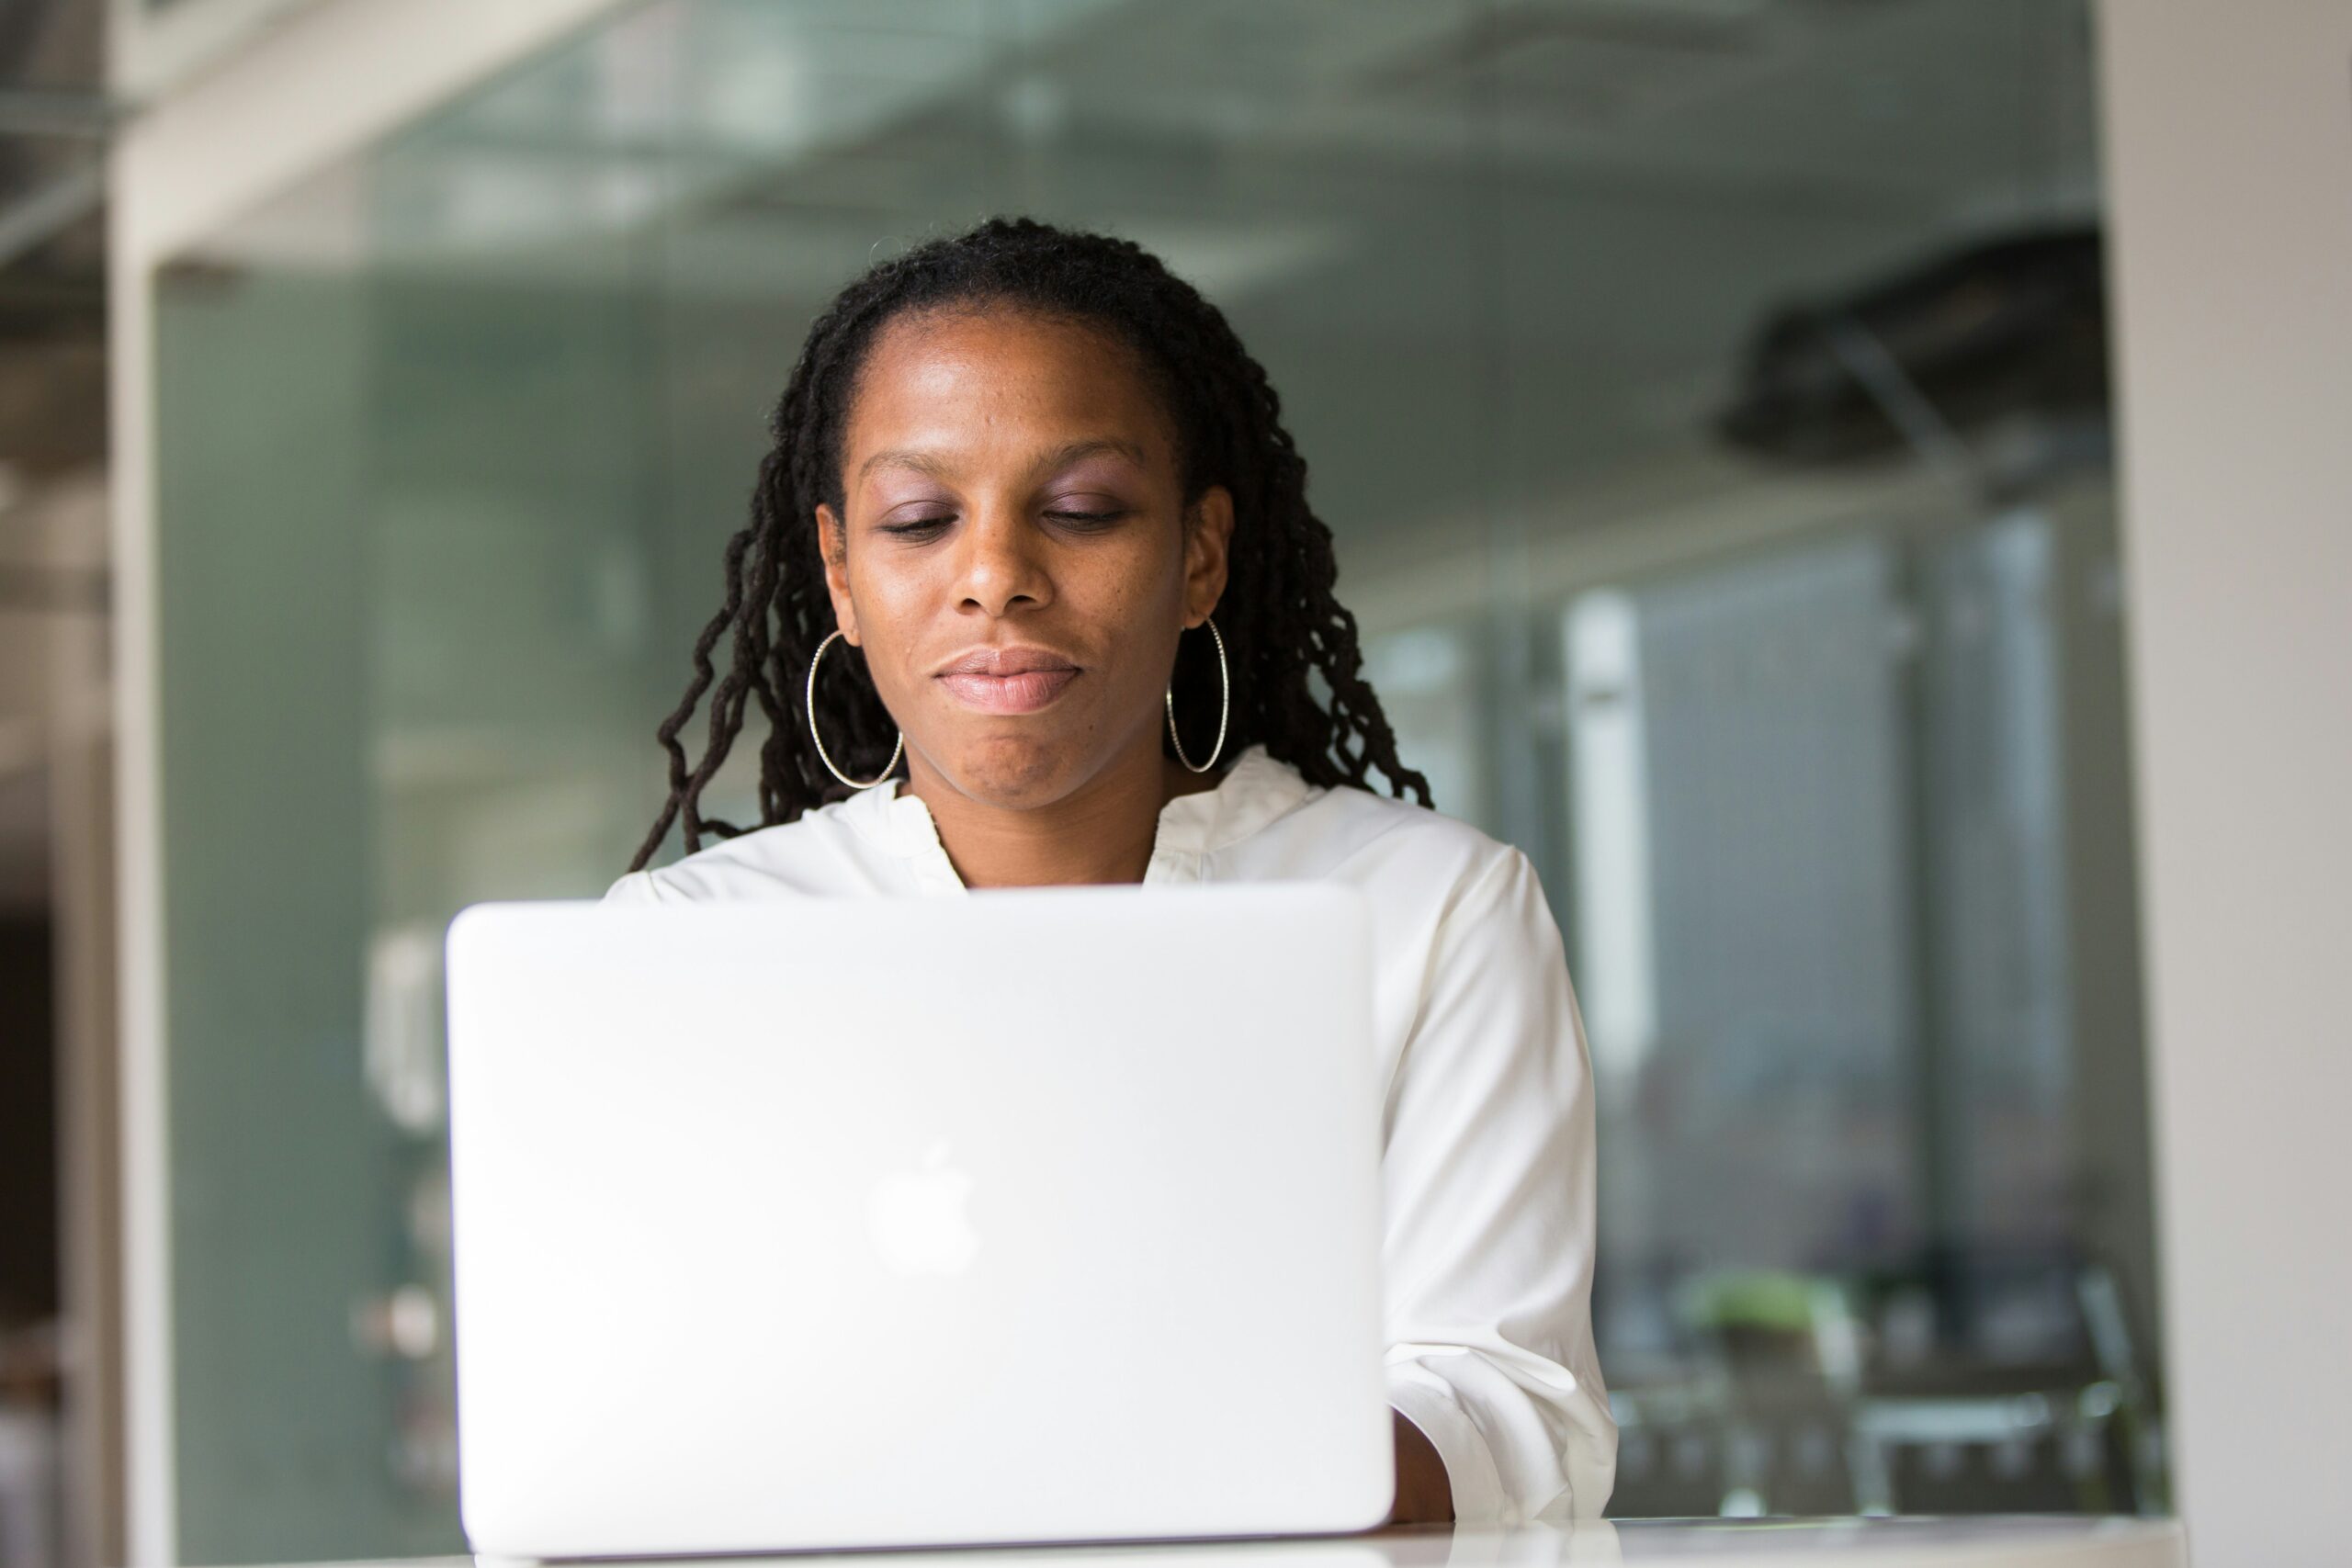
{"points": [[1008, 693]]}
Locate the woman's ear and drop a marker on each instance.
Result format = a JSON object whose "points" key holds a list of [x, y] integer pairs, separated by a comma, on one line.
{"points": [[833, 543], [1207, 539]]}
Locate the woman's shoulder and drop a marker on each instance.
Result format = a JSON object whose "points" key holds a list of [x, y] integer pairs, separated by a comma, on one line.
{"points": [[821, 852], [1361, 831], [1438, 887]]}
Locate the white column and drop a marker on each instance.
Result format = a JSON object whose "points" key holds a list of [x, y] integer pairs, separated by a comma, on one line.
{"points": [[2228, 152]]}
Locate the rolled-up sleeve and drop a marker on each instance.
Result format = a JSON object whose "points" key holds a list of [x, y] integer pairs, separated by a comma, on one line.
{"points": [[1488, 1182]]}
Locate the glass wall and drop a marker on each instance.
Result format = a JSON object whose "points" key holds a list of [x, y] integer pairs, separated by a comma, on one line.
{"points": [[1708, 400]]}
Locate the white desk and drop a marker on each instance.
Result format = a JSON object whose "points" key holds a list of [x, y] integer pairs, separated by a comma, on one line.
{"points": [[2011, 1541]]}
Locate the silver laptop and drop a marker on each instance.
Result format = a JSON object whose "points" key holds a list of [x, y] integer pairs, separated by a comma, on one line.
{"points": [[1041, 1215]]}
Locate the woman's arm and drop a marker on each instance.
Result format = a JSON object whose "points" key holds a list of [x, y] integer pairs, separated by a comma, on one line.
{"points": [[1488, 1180]]}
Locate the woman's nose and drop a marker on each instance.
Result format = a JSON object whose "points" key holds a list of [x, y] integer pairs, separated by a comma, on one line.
{"points": [[1001, 565]]}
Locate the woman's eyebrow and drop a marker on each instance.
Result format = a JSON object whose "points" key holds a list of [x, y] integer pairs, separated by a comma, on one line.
{"points": [[942, 467], [1062, 456], [921, 462]]}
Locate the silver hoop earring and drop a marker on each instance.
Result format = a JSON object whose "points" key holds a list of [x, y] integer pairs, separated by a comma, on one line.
{"points": [[1224, 705], [822, 755]]}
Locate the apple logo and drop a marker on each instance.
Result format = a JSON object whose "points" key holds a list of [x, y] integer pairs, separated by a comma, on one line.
{"points": [[917, 1220]]}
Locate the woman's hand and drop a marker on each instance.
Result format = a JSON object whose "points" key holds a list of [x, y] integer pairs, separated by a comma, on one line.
{"points": [[1424, 1495]]}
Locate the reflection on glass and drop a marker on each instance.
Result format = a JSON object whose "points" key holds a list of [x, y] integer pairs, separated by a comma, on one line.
{"points": [[1813, 741]]}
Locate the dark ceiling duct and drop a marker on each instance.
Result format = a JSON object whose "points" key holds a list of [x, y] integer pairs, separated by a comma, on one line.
{"points": [[2002, 329]]}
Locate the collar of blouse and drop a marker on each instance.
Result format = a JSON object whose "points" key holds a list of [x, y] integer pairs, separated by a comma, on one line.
{"points": [[1252, 793]]}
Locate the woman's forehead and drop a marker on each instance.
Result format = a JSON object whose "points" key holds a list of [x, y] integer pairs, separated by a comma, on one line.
{"points": [[1001, 377]]}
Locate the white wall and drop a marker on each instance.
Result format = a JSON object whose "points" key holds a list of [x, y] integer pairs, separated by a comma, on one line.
{"points": [[2228, 152]]}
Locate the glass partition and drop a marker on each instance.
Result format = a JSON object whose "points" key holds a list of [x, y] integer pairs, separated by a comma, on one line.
{"points": [[1706, 400]]}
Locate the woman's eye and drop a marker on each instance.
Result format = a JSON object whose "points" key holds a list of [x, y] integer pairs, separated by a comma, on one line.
{"points": [[1075, 518]]}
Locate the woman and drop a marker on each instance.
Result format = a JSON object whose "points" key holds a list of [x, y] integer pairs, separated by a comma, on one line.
{"points": [[1013, 469]]}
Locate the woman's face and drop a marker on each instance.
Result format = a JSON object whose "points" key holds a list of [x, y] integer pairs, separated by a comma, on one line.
{"points": [[1015, 560]]}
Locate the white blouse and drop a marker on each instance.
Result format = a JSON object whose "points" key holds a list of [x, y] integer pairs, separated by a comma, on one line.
{"points": [[1488, 1119]]}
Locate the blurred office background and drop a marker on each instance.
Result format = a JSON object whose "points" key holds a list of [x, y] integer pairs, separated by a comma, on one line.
{"points": [[1712, 401], [56, 905]]}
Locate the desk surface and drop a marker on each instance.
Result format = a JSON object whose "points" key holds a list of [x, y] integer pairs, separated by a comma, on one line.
{"points": [[2011, 1540]]}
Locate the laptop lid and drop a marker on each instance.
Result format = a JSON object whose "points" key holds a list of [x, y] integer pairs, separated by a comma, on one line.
{"points": [[1041, 1215]]}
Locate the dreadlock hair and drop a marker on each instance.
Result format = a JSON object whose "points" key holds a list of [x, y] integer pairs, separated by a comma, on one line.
{"points": [[1280, 621]]}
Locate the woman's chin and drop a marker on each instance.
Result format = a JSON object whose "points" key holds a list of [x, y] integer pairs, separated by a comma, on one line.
{"points": [[1010, 768]]}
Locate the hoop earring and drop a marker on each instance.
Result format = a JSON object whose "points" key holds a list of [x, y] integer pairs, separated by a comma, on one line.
{"points": [[1224, 707], [809, 702]]}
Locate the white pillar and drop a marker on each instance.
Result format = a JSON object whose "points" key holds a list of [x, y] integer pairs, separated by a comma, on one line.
{"points": [[2229, 155]]}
